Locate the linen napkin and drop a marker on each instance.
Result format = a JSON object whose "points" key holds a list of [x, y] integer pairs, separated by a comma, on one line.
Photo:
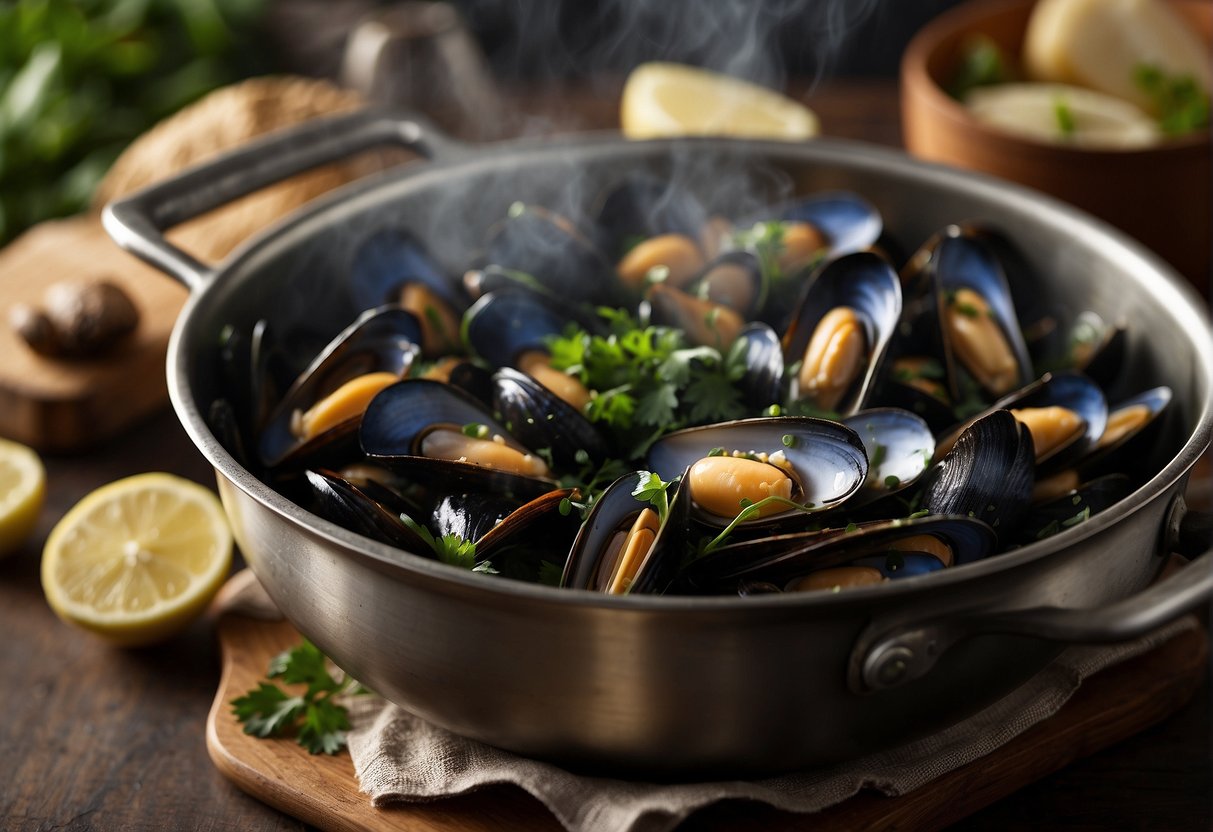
{"points": [[401, 758]]}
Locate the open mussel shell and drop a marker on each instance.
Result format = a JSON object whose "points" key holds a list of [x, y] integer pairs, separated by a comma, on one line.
{"points": [[848, 221], [400, 416], [865, 283], [734, 279], [384, 339], [1089, 345], [1051, 517], [392, 257], [495, 522], [1126, 421], [988, 474], [781, 559], [763, 382], [899, 447], [962, 259], [540, 419], [643, 206], [503, 324], [826, 460], [1076, 393], [339, 501], [594, 556], [554, 252]]}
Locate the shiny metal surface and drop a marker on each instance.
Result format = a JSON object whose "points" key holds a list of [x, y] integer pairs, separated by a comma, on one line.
{"points": [[674, 686]]}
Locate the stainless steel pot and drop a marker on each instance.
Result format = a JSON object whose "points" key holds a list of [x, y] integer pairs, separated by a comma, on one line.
{"points": [[677, 686]]}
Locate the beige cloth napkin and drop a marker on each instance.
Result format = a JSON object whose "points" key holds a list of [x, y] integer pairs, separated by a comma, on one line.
{"points": [[400, 758]]}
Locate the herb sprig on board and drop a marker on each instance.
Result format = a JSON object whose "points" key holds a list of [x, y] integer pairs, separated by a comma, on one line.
{"points": [[317, 720]]}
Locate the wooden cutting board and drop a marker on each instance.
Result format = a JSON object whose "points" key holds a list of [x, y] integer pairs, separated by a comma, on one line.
{"points": [[65, 405], [323, 791]]}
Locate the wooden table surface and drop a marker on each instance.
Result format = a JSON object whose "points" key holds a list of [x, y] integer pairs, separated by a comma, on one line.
{"points": [[103, 739]]}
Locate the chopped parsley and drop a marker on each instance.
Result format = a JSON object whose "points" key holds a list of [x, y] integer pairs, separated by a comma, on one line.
{"points": [[1182, 106], [1064, 117]]}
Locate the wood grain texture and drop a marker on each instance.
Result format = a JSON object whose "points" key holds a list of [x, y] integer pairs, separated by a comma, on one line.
{"points": [[323, 790]]}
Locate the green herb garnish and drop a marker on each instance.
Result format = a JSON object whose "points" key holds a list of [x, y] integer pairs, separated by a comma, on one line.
{"points": [[1182, 105], [450, 548], [1064, 117], [982, 63], [653, 490], [318, 722]]}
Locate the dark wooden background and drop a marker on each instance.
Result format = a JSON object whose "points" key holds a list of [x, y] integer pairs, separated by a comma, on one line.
{"points": [[105, 739]]}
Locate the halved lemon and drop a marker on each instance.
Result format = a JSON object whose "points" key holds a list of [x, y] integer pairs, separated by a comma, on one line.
{"points": [[665, 99], [22, 491], [136, 560]]}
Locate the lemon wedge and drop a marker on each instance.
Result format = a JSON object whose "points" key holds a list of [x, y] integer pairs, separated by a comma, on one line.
{"points": [[136, 560], [664, 99], [1064, 114], [22, 491]]}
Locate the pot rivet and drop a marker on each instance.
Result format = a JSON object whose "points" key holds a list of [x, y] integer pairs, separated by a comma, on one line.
{"points": [[893, 666]]}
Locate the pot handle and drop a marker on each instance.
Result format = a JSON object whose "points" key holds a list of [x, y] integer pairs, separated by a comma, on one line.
{"points": [[892, 657], [137, 222]]}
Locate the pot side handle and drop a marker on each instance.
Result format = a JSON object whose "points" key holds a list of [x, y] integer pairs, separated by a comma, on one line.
{"points": [[890, 659], [137, 222]]}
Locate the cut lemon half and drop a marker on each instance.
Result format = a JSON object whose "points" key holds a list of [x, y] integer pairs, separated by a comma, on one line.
{"points": [[136, 560], [664, 99], [22, 491]]}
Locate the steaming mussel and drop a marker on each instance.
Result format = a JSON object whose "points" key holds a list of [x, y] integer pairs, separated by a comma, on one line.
{"points": [[392, 266], [809, 464], [496, 523], [512, 327], [1059, 512], [320, 412], [642, 207], [704, 322], [839, 333], [979, 328], [434, 433], [763, 382], [540, 419], [825, 558], [625, 545], [552, 252], [1089, 345]]}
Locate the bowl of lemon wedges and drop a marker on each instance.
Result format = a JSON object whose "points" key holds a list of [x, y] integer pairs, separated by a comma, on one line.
{"points": [[1102, 103]]}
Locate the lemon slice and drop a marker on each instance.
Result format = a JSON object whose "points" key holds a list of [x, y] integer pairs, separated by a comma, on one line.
{"points": [[664, 99], [1064, 114], [136, 560], [22, 490]]}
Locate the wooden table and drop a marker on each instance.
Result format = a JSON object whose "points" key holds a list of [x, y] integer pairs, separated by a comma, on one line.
{"points": [[97, 738]]}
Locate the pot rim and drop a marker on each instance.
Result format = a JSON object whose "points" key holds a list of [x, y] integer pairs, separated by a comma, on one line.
{"points": [[1172, 292]]}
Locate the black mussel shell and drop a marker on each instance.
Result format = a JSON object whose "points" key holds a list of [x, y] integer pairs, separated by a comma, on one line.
{"points": [[1109, 451], [963, 258], [988, 474], [866, 283], [337, 500], [827, 459], [503, 324], [643, 206], [223, 422], [380, 340], [847, 220], [470, 515], [783, 558], [615, 510], [398, 417], [762, 383], [390, 258], [474, 380], [1074, 392], [1054, 516], [540, 419], [551, 250]]}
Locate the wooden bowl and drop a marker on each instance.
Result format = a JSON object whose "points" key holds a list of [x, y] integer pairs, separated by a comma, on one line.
{"points": [[1160, 195]]}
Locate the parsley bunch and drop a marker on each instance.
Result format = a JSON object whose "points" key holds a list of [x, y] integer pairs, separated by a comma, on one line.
{"points": [[318, 722], [648, 380]]}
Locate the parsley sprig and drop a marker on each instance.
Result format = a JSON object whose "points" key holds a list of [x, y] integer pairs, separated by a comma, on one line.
{"points": [[648, 380], [653, 490], [317, 720], [450, 548]]}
